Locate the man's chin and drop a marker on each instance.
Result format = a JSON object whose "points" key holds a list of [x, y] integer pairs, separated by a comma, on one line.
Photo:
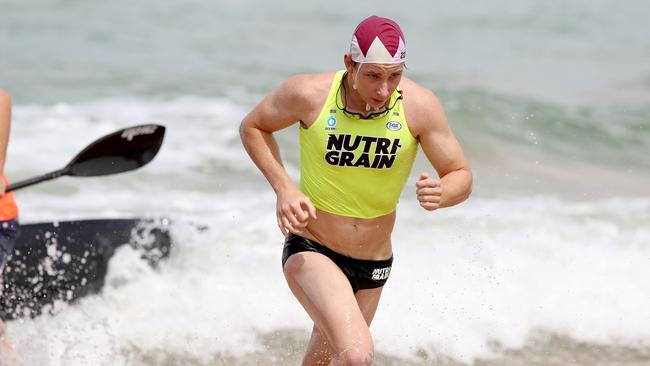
{"points": [[377, 104]]}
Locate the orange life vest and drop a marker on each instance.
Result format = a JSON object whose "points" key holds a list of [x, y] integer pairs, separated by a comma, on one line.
{"points": [[8, 207]]}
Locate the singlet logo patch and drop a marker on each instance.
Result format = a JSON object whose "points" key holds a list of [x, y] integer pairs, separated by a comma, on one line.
{"points": [[394, 126]]}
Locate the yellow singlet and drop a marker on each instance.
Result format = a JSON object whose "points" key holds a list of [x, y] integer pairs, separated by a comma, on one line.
{"points": [[352, 166]]}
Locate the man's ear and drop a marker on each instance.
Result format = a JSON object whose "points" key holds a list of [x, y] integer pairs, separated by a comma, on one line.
{"points": [[347, 61]]}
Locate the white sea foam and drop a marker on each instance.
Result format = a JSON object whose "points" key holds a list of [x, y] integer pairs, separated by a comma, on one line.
{"points": [[492, 270], [495, 269]]}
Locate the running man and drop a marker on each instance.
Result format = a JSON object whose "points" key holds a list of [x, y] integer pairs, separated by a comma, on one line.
{"points": [[359, 133]]}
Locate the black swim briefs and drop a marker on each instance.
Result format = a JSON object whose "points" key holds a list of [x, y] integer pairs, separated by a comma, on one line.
{"points": [[362, 273]]}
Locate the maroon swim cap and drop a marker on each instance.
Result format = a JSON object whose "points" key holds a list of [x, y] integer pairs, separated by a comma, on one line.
{"points": [[378, 40]]}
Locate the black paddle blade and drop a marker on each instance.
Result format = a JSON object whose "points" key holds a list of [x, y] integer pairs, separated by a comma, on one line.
{"points": [[121, 151]]}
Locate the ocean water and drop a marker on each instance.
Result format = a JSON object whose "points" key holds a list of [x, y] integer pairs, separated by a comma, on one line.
{"points": [[546, 263]]}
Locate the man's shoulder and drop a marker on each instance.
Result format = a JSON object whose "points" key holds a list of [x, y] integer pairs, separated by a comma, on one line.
{"points": [[307, 88], [417, 95], [306, 84], [422, 107]]}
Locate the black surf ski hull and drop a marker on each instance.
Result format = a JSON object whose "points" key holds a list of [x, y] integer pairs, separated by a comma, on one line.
{"points": [[62, 261]]}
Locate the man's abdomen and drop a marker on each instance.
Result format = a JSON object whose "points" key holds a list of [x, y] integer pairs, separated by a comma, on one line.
{"points": [[354, 237]]}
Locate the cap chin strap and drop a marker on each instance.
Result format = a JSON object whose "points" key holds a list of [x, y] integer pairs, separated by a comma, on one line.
{"points": [[356, 74]]}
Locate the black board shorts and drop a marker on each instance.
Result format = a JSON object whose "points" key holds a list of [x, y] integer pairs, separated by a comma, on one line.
{"points": [[362, 273], [9, 231]]}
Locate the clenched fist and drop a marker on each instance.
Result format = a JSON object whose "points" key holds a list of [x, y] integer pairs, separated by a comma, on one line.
{"points": [[429, 192]]}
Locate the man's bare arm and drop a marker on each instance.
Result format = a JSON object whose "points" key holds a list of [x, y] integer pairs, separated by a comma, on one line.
{"points": [[278, 110], [281, 108], [5, 127], [441, 148]]}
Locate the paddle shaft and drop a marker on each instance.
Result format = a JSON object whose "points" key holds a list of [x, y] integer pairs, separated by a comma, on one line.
{"points": [[39, 179]]}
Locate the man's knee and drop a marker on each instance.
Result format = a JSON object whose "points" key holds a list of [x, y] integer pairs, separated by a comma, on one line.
{"points": [[356, 356]]}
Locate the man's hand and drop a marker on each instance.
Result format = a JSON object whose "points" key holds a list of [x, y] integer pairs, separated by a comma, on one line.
{"points": [[293, 210], [429, 192]]}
